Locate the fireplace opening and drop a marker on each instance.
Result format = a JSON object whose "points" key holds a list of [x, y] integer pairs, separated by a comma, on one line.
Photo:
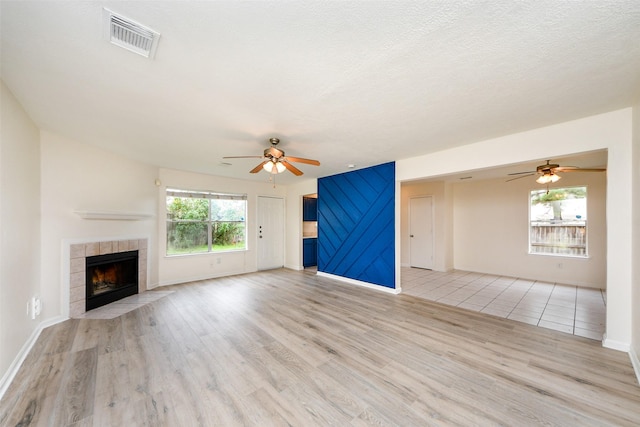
{"points": [[111, 277]]}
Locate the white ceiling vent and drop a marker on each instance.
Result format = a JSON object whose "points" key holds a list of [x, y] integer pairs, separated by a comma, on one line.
{"points": [[130, 35]]}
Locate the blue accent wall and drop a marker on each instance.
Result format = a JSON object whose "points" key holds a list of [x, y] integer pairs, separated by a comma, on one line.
{"points": [[356, 225]]}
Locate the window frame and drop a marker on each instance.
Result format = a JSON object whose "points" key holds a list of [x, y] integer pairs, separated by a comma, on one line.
{"points": [[209, 221], [585, 221]]}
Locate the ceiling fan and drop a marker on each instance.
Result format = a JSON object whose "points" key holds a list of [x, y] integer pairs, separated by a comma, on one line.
{"points": [[548, 172], [274, 161]]}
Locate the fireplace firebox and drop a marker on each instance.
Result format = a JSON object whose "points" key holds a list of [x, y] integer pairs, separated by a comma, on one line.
{"points": [[110, 278]]}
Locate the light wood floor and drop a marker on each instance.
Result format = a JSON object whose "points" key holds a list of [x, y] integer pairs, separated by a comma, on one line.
{"points": [[290, 348]]}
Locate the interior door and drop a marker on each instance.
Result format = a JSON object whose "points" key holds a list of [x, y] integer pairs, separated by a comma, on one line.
{"points": [[421, 232], [270, 233]]}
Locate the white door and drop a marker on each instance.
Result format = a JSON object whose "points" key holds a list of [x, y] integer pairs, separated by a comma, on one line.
{"points": [[421, 232], [270, 233]]}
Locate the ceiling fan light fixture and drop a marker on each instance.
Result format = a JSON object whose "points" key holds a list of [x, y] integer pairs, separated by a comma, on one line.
{"points": [[548, 178], [274, 167]]}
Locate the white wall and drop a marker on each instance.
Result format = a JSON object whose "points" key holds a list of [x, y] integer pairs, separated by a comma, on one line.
{"points": [[19, 226], [78, 176], [611, 131], [491, 233], [442, 217], [185, 268]]}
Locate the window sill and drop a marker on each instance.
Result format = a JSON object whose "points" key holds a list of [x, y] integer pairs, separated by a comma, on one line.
{"points": [[205, 253], [560, 255]]}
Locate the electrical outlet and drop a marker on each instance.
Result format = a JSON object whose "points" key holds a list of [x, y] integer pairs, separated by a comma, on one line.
{"points": [[34, 307]]}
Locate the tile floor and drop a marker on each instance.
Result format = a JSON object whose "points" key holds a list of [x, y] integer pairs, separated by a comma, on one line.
{"points": [[125, 305], [565, 308]]}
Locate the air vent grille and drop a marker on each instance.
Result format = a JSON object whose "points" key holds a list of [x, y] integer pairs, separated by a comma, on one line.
{"points": [[130, 35]]}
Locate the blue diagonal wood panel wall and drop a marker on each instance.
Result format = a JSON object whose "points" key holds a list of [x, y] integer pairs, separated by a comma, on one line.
{"points": [[356, 225]]}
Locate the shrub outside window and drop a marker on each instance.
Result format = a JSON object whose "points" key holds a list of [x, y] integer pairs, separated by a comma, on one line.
{"points": [[558, 221], [201, 222]]}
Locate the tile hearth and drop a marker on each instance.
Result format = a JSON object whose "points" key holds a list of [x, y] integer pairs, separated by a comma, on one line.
{"points": [[125, 305]]}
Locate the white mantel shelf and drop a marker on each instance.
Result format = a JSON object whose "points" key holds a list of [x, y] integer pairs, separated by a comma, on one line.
{"points": [[114, 216]]}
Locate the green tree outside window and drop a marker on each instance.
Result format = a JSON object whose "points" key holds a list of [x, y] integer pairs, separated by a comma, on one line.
{"points": [[200, 222], [558, 222]]}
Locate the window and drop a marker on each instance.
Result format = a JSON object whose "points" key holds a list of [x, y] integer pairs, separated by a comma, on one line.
{"points": [[200, 222], [558, 221]]}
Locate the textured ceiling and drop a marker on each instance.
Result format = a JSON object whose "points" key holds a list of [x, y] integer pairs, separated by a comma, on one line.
{"points": [[341, 82]]}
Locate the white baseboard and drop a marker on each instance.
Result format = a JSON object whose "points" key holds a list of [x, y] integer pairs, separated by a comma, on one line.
{"points": [[203, 277], [615, 345], [635, 362], [8, 377], [360, 283], [294, 267], [152, 286]]}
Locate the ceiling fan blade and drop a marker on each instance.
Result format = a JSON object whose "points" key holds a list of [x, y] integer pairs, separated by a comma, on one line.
{"points": [[293, 169], [258, 168], [576, 169], [243, 157], [521, 176], [303, 160], [521, 173]]}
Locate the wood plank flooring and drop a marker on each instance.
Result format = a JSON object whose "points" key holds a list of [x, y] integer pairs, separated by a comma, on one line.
{"points": [[289, 348]]}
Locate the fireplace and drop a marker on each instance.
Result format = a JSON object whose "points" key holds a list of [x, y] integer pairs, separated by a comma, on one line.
{"points": [[110, 277], [78, 254]]}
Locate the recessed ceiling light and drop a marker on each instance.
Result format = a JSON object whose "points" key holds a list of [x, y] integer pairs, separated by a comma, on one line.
{"points": [[351, 166]]}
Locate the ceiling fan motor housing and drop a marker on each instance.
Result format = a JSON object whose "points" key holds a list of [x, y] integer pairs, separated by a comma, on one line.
{"points": [[273, 153], [546, 168]]}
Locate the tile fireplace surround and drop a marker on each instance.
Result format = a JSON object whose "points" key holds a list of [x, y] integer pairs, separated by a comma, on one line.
{"points": [[77, 268]]}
